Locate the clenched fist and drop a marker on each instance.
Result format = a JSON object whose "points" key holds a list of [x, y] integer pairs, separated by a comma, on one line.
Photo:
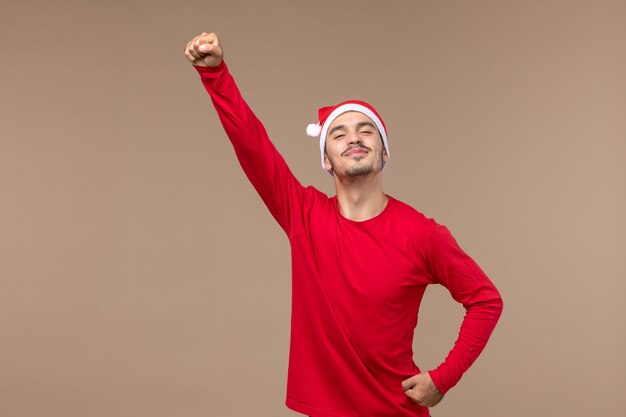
{"points": [[421, 389], [204, 50]]}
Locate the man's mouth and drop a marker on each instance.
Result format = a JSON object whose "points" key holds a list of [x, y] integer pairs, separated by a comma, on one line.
{"points": [[359, 150]]}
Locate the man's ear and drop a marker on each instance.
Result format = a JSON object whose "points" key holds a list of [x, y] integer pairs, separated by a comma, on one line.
{"points": [[327, 165], [385, 156]]}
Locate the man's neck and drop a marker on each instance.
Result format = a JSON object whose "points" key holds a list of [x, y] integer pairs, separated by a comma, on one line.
{"points": [[360, 198]]}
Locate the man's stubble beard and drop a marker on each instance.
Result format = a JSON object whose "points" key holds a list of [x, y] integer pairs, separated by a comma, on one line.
{"points": [[358, 171]]}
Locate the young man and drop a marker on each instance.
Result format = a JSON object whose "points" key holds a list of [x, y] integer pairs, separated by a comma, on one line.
{"points": [[361, 261]]}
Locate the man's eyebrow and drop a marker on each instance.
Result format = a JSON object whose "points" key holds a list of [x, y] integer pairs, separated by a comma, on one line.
{"points": [[338, 127], [359, 125]]}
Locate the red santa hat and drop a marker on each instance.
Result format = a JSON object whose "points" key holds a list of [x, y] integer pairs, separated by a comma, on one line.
{"points": [[330, 113]]}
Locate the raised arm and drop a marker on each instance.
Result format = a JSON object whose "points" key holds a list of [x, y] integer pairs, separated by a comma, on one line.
{"points": [[261, 162]]}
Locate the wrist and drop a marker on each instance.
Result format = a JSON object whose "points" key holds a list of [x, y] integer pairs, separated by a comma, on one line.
{"points": [[437, 381], [216, 68]]}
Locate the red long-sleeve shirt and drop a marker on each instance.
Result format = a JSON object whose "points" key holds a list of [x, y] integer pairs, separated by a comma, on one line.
{"points": [[357, 286]]}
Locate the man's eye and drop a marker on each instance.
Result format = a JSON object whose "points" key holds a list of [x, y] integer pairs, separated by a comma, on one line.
{"points": [[339, 136], [367, 132]]}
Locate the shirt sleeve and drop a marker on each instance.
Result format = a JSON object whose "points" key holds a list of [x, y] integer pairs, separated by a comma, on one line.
{"points": [[468, 284], [265, 168]]}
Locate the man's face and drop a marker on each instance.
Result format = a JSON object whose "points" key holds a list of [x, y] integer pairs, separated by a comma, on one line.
{"points": [[354, 146]]}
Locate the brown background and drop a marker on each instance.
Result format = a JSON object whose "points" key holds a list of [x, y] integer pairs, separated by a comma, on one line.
{"points": [[141, 275]]}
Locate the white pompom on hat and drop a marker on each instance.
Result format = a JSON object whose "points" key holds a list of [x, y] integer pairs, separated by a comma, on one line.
{"points": [[330, 113]]}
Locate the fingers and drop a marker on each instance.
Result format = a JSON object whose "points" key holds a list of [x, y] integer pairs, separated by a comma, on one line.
{"points": [[423, 401], [190, 53], [206, 48], [421, 390], [205, 39], [417, 396], [409, 383], [203, 45], [196, 46]]}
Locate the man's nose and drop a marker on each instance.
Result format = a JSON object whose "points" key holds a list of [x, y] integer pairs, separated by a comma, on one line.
{"points": [[354, 137]]}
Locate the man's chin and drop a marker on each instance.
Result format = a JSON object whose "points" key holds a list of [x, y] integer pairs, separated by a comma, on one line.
{"points": [[360, 171]]}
